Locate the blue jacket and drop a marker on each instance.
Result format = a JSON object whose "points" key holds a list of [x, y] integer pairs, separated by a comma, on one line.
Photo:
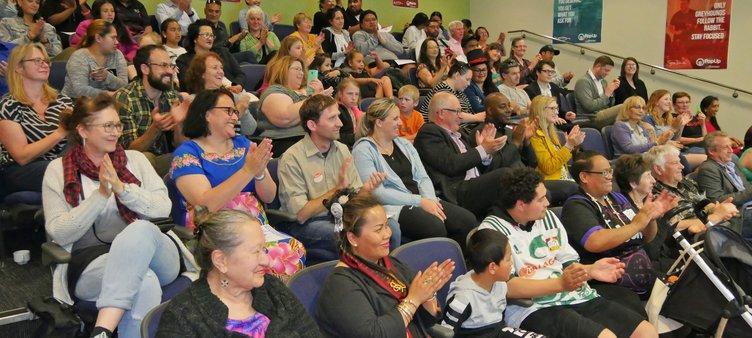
{"points": [[476, 97], [392, 193]]}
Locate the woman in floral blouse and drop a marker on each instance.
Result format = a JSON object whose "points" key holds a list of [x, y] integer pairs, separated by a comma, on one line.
{"points": [[220, 170]]}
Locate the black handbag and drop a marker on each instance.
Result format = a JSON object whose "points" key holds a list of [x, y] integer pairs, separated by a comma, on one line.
{"points": [[58, 319]]}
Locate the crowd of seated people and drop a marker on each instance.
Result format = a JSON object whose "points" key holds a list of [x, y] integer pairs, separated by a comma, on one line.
{"points": [[470, 141]]}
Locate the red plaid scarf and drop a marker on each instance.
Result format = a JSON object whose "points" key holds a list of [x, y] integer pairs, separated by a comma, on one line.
{"points": [[76, 163]]}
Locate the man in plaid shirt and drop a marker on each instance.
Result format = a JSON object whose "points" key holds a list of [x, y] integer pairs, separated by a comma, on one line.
{"points": [[145, 128]]}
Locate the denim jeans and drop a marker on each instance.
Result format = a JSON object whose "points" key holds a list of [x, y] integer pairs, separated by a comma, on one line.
{"points": [[130, 276]]}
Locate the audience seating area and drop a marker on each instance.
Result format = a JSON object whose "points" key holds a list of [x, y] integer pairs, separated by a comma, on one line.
{"points": [[22, 211]]}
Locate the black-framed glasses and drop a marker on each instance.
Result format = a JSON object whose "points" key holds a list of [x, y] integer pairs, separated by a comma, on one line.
{"points": [[38, 61], [228, 110], [108, 126], [206, 35], [605, 172], [164, 65]]}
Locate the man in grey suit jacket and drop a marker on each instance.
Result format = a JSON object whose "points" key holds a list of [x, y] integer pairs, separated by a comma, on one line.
{"points": [[721, 178], [595, 96]]}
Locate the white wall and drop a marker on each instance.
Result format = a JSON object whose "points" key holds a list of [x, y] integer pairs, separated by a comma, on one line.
{"points": [[636, 28]]}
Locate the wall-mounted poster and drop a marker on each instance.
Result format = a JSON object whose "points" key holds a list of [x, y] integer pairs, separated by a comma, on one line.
{"points": [[578, 21], [405, 3], [697, 34]]}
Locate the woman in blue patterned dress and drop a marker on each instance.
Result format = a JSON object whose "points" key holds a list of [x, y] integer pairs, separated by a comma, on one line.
{"points": [[221, 170]]}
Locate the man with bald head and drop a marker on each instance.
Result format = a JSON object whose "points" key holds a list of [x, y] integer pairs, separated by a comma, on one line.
{"points": [[457, 162]]}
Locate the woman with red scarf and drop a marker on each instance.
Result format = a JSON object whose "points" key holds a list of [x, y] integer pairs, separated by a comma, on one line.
{"points": [[97, 198], [369, 293]]}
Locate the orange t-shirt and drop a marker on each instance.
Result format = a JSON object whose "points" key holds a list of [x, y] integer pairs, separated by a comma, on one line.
{"points": [[410, 124]]}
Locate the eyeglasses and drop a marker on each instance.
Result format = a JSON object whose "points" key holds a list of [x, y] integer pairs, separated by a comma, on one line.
{"points": [[206, 35], [456, 111], [606, 172], [109, 126], [480, 70], [548, 71], [38, 61], [228, 110], [552, 108], [164, 65]]}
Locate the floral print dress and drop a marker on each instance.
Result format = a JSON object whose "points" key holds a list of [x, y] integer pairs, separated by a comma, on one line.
{"points": [[286, 254]]}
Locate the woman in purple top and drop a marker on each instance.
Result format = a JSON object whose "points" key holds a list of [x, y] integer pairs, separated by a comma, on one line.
{"points": [[632, 135]]}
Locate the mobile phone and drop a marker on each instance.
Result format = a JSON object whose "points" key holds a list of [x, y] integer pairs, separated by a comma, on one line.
{"points": [[313, 74]]}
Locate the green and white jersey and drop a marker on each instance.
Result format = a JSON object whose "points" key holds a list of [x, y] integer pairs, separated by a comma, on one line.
{"points": [[539, 253]]}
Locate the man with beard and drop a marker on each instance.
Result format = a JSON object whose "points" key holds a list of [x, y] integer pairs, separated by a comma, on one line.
{"points": [[152, 111], [315, 169], [352, 15]]}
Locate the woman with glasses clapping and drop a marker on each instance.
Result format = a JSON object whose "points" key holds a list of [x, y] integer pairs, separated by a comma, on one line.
{"points": [[221, 170], [30, 131]]}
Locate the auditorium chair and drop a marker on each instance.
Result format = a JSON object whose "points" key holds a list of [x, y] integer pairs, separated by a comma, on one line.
{"points": [[365, 103], [283, 30], [607, 143], [150, 323], [254, 75], [234, 28], [53, 254], [19, 211], [244, 57], [420, 254], [306, 284]]}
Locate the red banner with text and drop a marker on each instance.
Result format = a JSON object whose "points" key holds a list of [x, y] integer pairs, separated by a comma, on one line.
{"points": [[697, 34]]}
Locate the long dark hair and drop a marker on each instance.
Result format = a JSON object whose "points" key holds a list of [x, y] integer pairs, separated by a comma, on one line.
{"points": [[420, 19], [636, 75], [423, 57], [122, 32]]}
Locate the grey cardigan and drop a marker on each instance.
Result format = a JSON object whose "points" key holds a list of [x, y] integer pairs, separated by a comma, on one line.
{"points": [[587, 98], [392, 193], [78, 81]]}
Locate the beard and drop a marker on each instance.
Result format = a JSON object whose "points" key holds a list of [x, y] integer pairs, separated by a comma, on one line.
{"points": [[158, 83]]}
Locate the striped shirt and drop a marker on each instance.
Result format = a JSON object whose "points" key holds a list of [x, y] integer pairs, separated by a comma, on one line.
{"points": [[539, 252], [34, 127], [444, 87]]}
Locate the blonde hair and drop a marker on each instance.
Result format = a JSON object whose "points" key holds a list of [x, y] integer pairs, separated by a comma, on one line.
{"points": [[652, 108], [378, 110], [409, 90], [299, 18], [16, 88], [347, 82], [628, 104], [278, 71], [538, 112], [284, 50]]}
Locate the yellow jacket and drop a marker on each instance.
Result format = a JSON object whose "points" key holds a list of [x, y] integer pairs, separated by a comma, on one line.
{"points": [[550, 159]]}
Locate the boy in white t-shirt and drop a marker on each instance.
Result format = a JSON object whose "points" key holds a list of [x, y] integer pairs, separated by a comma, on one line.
{"points": [[477, 299], [548, 272]]}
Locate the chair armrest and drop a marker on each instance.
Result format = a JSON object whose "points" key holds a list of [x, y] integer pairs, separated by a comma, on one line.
{"points": [[164, 224], [524, 302], [183, 233], [53, 253], [277, 217], [438, 331]]}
